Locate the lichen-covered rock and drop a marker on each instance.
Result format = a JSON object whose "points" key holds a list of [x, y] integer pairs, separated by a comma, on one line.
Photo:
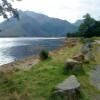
{"points": [[72, 65], [85, 48], [69, 89], [87, 51]]}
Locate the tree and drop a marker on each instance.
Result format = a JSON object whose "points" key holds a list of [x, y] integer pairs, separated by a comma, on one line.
{"points": [[89, 28], [88, 22], [6, 9], [93, 30]]}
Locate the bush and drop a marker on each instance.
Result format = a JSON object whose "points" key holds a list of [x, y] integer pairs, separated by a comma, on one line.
{"points": [[44, 55]]}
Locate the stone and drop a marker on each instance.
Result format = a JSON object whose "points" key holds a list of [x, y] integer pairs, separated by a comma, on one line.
{"points": [[69, 84], [72, 65], [87, 48], [69, 89], [70, 45], [79, 57], [71, 42]]}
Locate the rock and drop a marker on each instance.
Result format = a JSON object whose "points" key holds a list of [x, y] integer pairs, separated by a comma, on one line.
{"points": [[90, 56], [85, 49], [79, 57], [69, 84], [72, 65], [68, 89], [71, 42]]}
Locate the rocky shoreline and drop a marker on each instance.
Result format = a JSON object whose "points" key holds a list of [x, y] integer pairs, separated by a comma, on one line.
{"points": [[25, 64]]}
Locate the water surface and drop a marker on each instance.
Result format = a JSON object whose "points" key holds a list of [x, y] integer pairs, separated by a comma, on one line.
{"points": [[12, 49]]}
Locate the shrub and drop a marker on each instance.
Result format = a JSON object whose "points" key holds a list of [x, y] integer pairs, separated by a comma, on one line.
{"points": [[44, 55]]}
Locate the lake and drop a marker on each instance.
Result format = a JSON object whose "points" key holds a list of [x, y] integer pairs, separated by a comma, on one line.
{"points": [[12, 49]]}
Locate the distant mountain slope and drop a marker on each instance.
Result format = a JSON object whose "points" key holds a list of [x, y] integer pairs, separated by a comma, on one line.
{"points": [[32, 24], [78, 23]]}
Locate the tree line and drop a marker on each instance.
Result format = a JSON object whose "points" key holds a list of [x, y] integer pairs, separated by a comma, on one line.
{"points": [[89, 28]]}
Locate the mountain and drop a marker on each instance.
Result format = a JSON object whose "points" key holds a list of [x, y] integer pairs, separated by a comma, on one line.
{"points": [[32, 24], [78, 23]]}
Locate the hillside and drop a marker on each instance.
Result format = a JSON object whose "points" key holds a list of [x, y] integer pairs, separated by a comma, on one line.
{"points": [[78, 23], [32, 24]]}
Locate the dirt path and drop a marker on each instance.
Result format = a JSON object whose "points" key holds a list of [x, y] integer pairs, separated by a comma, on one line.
{"points": [[95, 77], [95, 73], [95, 81]]}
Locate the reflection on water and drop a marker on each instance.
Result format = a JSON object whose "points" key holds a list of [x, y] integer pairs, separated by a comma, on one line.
{"points": [[12, 49]]}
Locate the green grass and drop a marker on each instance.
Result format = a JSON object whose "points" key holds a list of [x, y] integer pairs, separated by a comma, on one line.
{"points": [[38, 82]]}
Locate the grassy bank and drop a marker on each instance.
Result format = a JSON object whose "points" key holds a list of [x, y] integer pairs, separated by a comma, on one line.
{"points": [[37, 83]]}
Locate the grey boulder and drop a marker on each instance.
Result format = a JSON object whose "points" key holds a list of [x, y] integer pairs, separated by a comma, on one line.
{"points": [[69, 89]]}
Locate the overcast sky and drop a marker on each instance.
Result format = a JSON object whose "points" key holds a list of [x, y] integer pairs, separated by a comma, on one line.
{"points": [[70, 10]]}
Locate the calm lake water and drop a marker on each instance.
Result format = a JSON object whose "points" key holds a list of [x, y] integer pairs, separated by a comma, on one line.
{"points": [[12, 49]]}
